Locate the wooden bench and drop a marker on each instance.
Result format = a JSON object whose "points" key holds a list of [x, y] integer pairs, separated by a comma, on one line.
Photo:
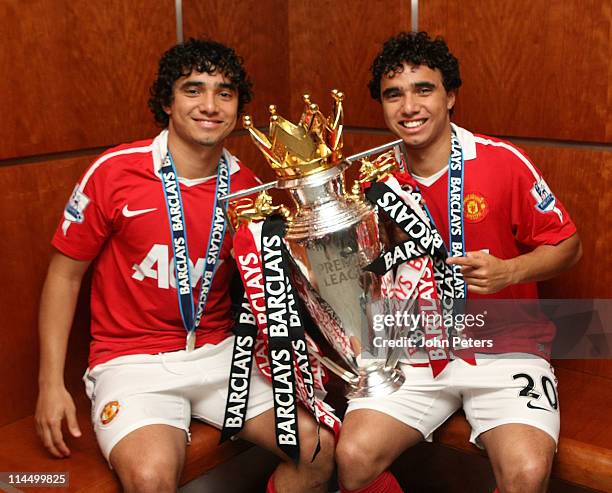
{"points": [[88, 471], [584, 456]]}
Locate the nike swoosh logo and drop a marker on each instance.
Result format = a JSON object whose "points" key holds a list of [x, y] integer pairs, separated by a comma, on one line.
{"points": [[531, 406], [128, 213]]}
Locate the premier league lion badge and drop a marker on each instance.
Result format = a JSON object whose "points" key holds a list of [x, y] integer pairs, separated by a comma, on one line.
{"points": [[545, 200], [76, 205]]}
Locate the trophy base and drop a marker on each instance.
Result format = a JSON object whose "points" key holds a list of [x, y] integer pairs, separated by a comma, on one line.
{"points": [[376, 382]]}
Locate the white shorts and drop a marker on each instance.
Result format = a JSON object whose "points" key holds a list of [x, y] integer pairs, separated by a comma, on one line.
{"points": [[497, 391], [133, 391]]}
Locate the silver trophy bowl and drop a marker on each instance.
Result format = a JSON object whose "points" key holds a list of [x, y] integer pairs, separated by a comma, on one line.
{"points": [[331, 238]]}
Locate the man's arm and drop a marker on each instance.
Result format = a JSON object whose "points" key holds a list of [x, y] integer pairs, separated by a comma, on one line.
{"points": [[486, 274], [57, 306]]}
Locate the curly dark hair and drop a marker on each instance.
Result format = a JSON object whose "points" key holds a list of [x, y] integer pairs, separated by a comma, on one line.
{"points": [[201, 55], [415, 49]]}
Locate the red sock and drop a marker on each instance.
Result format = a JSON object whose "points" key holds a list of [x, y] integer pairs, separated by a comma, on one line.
{"points": [[496, 490], [270, 488], [385, 483]]}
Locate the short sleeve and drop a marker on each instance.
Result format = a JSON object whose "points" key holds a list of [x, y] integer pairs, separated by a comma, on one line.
{"points": [[538, 217], [84, 226]]}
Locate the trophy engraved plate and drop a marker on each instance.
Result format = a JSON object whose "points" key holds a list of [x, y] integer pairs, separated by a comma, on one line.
{"points": [[331, 235]]}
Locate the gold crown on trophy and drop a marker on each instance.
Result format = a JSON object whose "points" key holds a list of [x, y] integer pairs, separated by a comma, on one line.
{"points": [[311, 146]]}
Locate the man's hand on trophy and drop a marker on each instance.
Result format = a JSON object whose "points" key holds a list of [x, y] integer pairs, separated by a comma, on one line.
{"points": [[484, 273]]}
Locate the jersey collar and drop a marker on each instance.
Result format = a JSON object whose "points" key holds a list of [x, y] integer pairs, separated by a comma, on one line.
{"points": [[159, 148], [468, 144], [468, 147]]}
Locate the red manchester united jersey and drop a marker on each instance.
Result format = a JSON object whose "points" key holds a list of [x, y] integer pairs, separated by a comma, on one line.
{"points": [[117, 215], [508, 211]]}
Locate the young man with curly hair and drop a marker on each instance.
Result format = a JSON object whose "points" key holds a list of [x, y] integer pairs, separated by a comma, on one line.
{"points": [[162, 341], [508, 232]]}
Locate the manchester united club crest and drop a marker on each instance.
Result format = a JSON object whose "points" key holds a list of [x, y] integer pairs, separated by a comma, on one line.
{"points": [[475, 207], [110, 410]]}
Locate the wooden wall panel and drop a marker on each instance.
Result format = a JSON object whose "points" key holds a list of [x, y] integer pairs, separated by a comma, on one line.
{"points": [[332, 44], [258, 33], [535, 69], [76, 74], [358, 141], [32, 203]]}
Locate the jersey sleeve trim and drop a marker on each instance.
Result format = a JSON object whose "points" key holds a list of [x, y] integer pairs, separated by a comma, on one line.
{"points": [[73, 253]]}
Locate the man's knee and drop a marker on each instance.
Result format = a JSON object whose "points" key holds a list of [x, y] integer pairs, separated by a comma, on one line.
{"points": [[358, 464], [148, 471], [149, 477], [530, 474]]}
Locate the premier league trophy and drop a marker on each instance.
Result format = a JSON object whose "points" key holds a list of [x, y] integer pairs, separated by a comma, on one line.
{"points": [[331, 236]]}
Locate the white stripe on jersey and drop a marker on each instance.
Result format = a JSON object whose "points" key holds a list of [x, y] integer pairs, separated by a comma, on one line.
{"points": [[524, 160], [512, 149], [105, 158]]}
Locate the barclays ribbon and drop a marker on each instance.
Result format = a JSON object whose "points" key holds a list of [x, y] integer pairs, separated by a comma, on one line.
{"points": [[449, 278], [182, 268], [236, 405]]}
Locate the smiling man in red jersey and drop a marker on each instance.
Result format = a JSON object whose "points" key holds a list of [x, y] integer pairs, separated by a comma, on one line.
{"points": [[148, 214], [505, 232]]}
